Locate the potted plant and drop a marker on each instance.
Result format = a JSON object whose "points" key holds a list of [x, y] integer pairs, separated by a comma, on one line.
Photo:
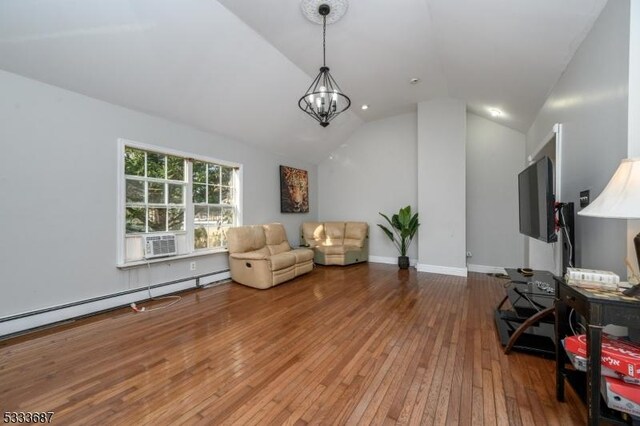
{"points": [[403, 228]]}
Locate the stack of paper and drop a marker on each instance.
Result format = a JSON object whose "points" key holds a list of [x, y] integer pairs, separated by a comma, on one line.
{"points": [[592, 279]]}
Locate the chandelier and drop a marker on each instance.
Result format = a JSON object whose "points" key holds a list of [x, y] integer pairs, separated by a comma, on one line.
{"points": [[324, 99]]}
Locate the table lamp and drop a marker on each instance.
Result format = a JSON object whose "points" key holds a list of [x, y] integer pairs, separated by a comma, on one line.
{"points": [[620, 199]]}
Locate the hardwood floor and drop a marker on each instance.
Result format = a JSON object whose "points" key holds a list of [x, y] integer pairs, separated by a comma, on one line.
{"points": [[364, 344]]}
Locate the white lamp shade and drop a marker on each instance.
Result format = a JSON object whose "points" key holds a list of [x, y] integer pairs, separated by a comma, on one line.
{"points": [[621, 197]]}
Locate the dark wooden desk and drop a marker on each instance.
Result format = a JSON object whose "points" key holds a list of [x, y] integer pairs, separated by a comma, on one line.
{"points": [[599, 309]]}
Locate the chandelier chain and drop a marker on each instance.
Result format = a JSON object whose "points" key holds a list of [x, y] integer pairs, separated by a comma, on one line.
{"points": [[324, 43]]}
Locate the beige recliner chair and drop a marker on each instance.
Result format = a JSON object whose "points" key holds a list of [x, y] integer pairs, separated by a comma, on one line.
{"points": [[337, 243], [260, 256]]}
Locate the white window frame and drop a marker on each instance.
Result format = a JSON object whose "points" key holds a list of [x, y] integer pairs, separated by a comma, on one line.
{"points": [[189, 206]]}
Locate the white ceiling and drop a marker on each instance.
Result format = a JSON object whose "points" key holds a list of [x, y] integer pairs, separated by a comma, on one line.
{"points": [[238, 67]]}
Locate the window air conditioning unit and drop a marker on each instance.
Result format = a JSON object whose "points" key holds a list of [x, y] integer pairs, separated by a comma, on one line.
{"points": [[159, 245]]}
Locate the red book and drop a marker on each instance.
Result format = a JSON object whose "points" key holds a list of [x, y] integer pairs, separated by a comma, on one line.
{"points": [[622, 357], [621, 396]]}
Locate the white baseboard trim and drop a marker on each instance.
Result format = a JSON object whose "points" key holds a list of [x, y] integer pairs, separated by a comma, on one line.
{"points": [[421, 267], [484, 269], [64, 312], [445, 270], [390, 260]]}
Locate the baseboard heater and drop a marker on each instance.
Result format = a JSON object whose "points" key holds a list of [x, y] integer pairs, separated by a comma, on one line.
{"points": [[13, 325]]}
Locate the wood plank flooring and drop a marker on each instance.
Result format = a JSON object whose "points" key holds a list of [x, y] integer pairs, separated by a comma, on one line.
{"points": [[364, 344]]}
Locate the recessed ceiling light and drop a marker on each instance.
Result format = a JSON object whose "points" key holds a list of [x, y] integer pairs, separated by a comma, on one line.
{"points": [[495, 112], [365, 106], [414, 80]]}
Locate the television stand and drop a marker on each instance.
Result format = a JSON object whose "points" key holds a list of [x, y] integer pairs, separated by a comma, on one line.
{"points": [[529, 324]]}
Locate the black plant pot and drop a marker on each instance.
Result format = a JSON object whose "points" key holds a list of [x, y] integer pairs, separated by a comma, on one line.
{"points": [[403, 262]]}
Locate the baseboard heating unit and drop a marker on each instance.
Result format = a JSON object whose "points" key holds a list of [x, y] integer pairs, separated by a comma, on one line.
{"points": [[13, 325]]}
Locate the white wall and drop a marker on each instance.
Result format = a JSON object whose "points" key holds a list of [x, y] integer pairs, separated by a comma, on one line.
{"points": [[495, 156], [633, 150], [591, 102], [441, 186], [58, 177], [375, 171]]}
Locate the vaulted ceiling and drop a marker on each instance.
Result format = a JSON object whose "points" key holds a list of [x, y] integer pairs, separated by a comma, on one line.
{"points": [[238, 67]]}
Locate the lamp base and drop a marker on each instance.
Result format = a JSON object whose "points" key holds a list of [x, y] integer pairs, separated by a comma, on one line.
{"points": [[635, 290]]}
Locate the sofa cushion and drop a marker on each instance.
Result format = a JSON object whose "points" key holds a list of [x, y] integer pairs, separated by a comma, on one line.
{"points": [[332, 249], [245, 238], [276, 238], [355, 233], [313, 233], [334, 232], [282, 260], [283, 247], [302, 254]]}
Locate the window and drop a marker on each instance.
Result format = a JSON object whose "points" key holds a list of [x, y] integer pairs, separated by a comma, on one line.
{"points": [[155, 191], [164, 191], [214, 201]]}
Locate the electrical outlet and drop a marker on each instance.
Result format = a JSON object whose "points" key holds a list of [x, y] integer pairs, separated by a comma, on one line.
{"points": [[584, 198], [192, 266]]}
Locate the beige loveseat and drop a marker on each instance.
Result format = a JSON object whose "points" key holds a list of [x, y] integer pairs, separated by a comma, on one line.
{"points": [[336, 243], [260, 256]]}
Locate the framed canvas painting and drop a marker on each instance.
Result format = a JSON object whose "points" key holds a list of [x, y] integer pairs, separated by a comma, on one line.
{"points": [[294, 190]]}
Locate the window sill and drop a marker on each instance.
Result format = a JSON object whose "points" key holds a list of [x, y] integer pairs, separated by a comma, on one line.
{"points": [[199, 253]]}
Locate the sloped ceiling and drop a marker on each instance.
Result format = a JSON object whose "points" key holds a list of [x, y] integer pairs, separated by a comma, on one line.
{"points": [[238, 67]]}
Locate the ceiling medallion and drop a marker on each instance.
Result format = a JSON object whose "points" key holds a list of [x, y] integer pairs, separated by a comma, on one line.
{"points": [[324, 100], [337, 10]]}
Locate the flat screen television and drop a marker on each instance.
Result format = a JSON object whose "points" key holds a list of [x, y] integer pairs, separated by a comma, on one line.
{"points": [[537, 202]]}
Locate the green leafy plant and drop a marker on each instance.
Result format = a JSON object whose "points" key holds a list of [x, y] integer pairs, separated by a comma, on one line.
{"points": [[403, 228]]}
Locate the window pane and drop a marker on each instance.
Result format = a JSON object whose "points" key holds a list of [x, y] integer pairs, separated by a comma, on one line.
{"points": [[135, 191], [199, 193], [214, 195], [200, 237], [215, 214], [155, 165], [157, 219], [214, 174], [200, 214], [133, 162], [176, 219], [227, 216], [216, 236], [227, 176], [175, 168], [223, 236], [176, 194], [226, 195], [156, 193], [135, 219], [199, 172]]}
